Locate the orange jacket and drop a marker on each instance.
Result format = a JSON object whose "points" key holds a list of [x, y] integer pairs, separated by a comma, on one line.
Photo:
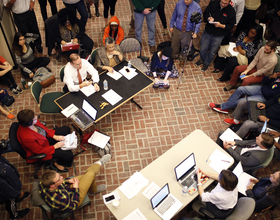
{"points": [[120, 34]]}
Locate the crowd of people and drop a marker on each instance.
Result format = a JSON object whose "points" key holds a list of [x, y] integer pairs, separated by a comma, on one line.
{"points": [[251, 72]]}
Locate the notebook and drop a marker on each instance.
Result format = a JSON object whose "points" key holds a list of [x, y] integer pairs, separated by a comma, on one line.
{"points": [[86, 116], [243, 178], [165, 204], [185, 172]]}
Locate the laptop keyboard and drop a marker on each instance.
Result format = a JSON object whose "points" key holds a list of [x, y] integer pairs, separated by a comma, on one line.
{"points": [[83, 118], [166, 205], [188, 182]]}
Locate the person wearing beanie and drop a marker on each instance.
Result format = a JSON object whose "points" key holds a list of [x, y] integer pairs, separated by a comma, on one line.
{"points": [[114, 30], [162, 65]]}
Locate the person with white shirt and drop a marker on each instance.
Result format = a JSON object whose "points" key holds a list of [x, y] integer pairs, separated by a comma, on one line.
{"points": [[223, 198], [25, 18], [75, 74]]}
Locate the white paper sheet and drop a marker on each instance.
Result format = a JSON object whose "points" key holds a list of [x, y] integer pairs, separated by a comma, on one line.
{"points": [[70, 110], [133, 185], [219, 160], [213, 22], [88, 90], [114, 193], [230, 49], [135, 215], [98, 139], [112, 97], [129, 75], [151, 190], [115, 75], [229, 135]]}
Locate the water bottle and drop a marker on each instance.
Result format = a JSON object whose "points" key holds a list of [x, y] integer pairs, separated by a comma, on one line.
{"points": [[105, 84], [185, 190], [23, 82], [129, 64]]}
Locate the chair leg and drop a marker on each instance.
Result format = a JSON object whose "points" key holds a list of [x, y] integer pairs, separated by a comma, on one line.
{"points": [[45, 214], [38, 167]]}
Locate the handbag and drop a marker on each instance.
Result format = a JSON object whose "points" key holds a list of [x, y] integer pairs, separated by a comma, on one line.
{"points": [[8, 100], [44, 77], [242, 59], [223, 51]]}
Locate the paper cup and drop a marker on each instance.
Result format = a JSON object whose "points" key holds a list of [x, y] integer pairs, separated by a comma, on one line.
{"points": [[116, 203]]}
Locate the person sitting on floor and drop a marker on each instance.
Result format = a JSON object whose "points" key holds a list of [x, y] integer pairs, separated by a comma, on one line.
{"points": [[247, 44], [35, 138], [223, 198], [69, 28], [10, 189], [7, 77], [265, 191], [250, 153], [108, 56], [3, 94], [270, 88], [25, 58], [75, 74], [262, 65], [162, 65], [67, 195], [272, 116], [114, 30]]}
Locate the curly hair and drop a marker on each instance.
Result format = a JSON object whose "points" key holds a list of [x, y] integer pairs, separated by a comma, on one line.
{"points": [[66, 14]]}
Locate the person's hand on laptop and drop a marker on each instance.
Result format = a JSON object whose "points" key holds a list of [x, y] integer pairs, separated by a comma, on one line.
{"points": [[75, 41], [96, 87], [263, 118], [63, 43], [58, 137], [58, 145], [274, 134]]}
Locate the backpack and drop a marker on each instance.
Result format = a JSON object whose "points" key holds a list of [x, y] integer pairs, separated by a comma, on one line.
{"points": [[44, 77], [8, 100]]}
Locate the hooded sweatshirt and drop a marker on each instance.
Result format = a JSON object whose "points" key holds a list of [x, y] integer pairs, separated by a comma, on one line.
{"points": [[120, 34]]}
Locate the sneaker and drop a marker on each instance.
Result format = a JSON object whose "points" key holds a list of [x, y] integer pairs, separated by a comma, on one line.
{"points": [[229, 87], [220, 110], [198, 63], [153, 49], [230, 121], [14, 91], [100, 189], [24, 196], [21, 214], [204, 67], [19, 89], [10, 116], [213, 105], [105, 159]]}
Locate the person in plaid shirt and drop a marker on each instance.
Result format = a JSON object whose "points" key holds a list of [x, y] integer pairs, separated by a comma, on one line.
{"points": [[69, 194]]}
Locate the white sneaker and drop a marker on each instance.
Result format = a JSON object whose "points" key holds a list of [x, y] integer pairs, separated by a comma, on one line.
{"points": [[100, 189], [105, 159]]}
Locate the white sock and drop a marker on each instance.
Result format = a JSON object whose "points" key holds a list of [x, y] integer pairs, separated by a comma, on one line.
{"points": [[236, 121], [98, 162]]}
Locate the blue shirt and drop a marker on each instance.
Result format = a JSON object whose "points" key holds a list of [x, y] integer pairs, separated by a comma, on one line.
{"points": [[178, 16]]}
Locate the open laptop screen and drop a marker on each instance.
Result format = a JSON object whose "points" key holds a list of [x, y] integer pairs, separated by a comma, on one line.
{"points": [[89, 109], [185, 166], [264, 126], [160, 196]]}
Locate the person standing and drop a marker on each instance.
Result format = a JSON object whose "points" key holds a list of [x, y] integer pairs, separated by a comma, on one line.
{"points": [[220, 19], [43, 7], [181, 28], [145, 8], [25, 18], [161, 13]]}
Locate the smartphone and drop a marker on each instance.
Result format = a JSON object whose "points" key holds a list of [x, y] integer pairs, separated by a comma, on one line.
{"points": [[109, 198], [127, 70], [242, 76]]}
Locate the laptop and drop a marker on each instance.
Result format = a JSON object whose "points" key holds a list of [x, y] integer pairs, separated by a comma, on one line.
{"points": [[264, 128], [185, 172], [165, 204], [70, 46], [254, 111], [86, 116]]}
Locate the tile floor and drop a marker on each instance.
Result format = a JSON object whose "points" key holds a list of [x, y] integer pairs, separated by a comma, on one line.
{"points": [[138, 136]]}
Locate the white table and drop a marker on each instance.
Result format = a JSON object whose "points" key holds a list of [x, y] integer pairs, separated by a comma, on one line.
{"points": [[161, 171]]}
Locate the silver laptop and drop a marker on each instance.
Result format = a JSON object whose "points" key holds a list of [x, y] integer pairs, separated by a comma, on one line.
{"points": [[165, 204], [185, 172], [86, 116], [264, 128]]}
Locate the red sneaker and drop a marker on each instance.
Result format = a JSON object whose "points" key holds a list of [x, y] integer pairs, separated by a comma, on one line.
{"points": [[213, 105], [230, 121], [220, 110]]}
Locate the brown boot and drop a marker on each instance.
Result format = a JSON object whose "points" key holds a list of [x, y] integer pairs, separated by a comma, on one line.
{"points": [[153, 49], [230, 87]]}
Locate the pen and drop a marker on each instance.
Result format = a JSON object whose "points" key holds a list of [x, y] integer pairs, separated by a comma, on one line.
{"points": [[225, 161], [210, 15], [11, 111], [207, 158]]}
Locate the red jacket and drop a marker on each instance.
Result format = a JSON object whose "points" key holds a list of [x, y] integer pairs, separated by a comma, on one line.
{"points": [[2, 60], [35, 143], [120, 35]]}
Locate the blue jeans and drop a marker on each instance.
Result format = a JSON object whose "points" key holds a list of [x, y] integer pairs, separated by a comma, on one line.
{"points": [[254, 93], [211, 43], [150, 19], [81, 7]]}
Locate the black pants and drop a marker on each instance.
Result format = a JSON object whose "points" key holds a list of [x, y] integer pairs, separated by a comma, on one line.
{"points": [[35, 64], [218, 213], [43, 7], [109, 4], [9, 80], [27, 22], [11, 208], [227, 64], [160, 10], [62, 157], [246, 22]]}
